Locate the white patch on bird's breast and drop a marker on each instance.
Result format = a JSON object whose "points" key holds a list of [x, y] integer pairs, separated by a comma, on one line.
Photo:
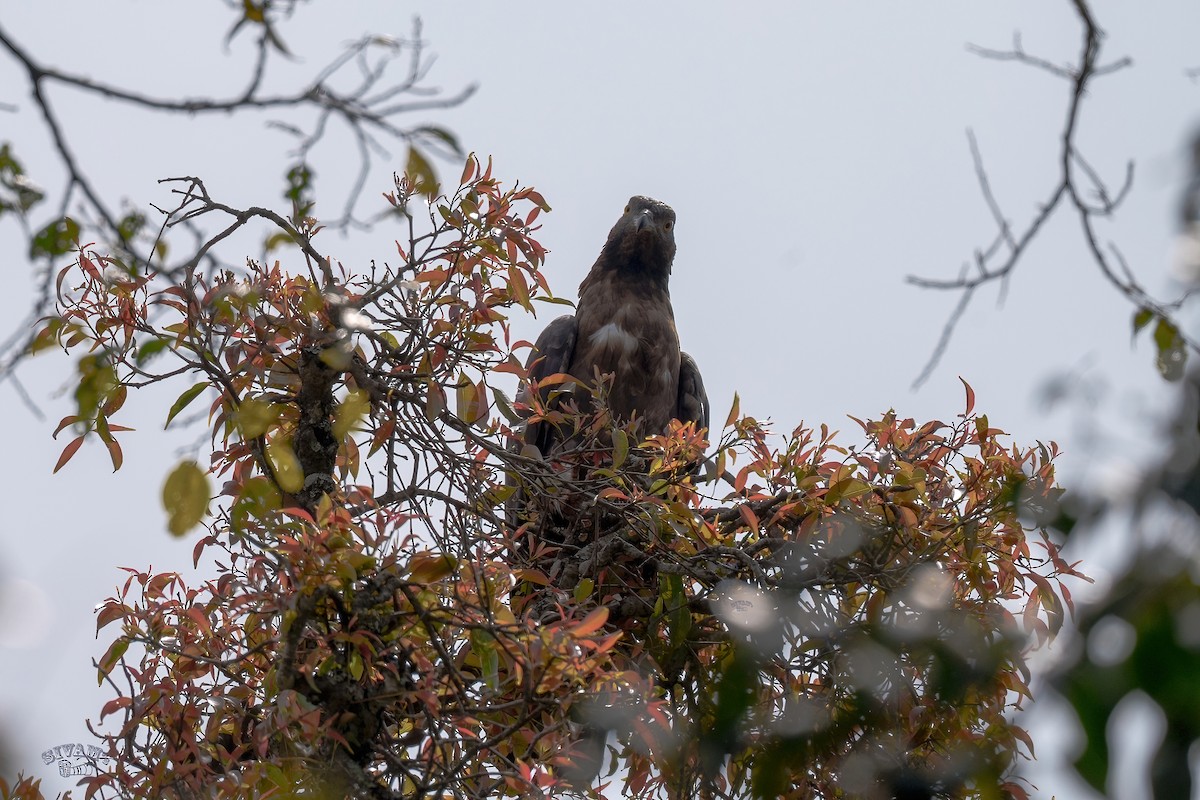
{"points": [[612, 336]]}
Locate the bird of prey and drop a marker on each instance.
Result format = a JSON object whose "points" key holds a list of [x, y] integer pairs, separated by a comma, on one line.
{"points": [[625, 327]]}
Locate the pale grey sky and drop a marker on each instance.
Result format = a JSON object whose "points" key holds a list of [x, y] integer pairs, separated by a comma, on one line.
{"points": [[815, 154]]}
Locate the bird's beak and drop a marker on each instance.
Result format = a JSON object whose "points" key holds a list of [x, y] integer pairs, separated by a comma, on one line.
{"points": [[643, 221]]}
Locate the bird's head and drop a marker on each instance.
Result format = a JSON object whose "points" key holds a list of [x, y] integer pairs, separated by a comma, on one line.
{"points": [[643, 239]]}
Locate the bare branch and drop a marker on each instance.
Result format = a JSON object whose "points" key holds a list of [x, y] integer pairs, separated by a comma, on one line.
{"points": [[997, 262], [367, 109]]}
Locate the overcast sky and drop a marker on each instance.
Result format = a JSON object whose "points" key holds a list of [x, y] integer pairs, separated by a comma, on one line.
{"points": [[815, 154]]}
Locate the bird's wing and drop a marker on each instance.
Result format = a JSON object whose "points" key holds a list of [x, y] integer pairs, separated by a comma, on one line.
{"points": [[693, 400], [551, 355]]}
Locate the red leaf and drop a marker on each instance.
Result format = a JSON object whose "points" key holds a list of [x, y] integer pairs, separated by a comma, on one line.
{"points": [[111, 611], [115, 454], [114, 704], [512, 366], [1017, 792], [970, 397], [1066, 593], [197, 615], [1024, 737], [435, 400], [468, 170], [68, 452], [68, 420], [296, 511], [89, 267]]}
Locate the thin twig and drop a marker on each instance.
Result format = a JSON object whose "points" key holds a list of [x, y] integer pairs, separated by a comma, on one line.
{"points": [[997, 263]]}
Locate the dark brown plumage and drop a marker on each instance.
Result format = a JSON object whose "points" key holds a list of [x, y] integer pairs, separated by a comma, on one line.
{"points": [[625, 327]]}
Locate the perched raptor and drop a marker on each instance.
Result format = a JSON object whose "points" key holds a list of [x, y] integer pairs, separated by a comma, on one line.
{"points": [[625, 327]]}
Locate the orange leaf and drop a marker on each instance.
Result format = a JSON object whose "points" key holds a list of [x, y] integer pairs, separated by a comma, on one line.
{"points": [[428, 567], [734, 410], [592, 622], [532, 576], [749, 516], [520, 289]]}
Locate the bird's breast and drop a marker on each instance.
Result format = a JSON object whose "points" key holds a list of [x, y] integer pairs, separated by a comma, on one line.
{"points": [[632, 337], [613, 338]]}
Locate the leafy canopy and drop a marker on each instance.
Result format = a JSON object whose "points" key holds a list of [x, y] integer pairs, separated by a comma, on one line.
{"points": [[802, 619]]}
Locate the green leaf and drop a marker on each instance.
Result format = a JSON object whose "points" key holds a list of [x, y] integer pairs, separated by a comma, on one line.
{"points": [[288, 472], [258, 500], [505, 406], [846, 489], [299, 189], [583, 590], [421, 173], [484, 648], [442, 135], [349, 412], [48, 336], [110, 659], [498, 495], [278, 239], [1141, 319], [557, 301], [675, 608], [620, 448], [468, 401], [12, 177], [255, 417], [150, 349], [185, 496], [8, 162], [183, 400], [1172, 356], [56, 239], [130, 226], [356, 665], [97, 382], [735, 690], [1165, 334], [428, 567]]}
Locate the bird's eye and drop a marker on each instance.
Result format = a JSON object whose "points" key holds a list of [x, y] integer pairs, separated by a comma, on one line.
{"points": [[626, 209], [668, 225]]}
